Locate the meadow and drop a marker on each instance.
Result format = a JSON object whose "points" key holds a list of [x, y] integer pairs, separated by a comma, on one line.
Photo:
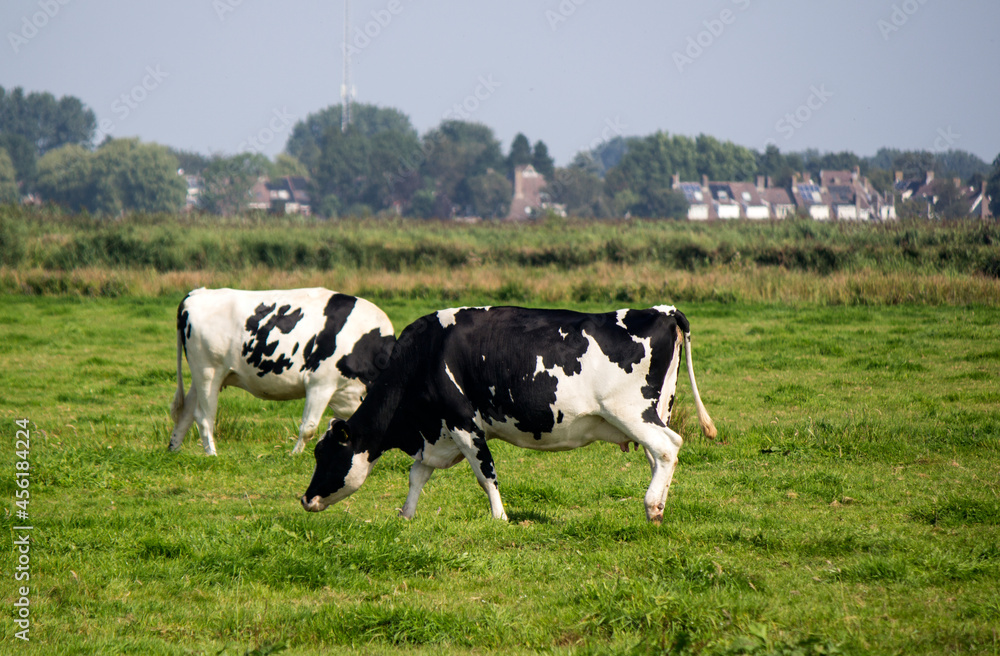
{"points": [[851, 503]]}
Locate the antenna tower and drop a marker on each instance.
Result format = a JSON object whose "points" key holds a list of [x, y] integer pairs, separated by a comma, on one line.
{"points": [[346, 91]]}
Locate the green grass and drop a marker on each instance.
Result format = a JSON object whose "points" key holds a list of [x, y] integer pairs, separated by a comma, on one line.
{"points": [[851, 504]]}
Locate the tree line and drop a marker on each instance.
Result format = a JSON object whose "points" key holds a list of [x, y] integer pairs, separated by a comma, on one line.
{"points": [[382, 165]]}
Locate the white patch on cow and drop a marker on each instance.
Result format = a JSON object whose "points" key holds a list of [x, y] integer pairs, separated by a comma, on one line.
{"points": [[446, 317], [452, 377], [668, 310], [356, 475], [493, 389], [562, 335], [217, 321], [620, 314], [670, 382]]}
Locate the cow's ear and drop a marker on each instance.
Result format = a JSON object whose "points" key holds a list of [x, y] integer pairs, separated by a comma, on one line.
{"points": [[342, 434]]}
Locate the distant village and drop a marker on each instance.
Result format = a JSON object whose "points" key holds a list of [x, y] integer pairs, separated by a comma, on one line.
{"points": [[836, 195]]}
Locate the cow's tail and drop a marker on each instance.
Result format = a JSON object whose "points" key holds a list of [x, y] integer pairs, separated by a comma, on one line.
{"points": [[707, 427], [178, 404]]}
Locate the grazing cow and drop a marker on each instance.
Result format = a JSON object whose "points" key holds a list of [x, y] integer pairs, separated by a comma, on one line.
{"points": [[283, 344], [550, 380]]}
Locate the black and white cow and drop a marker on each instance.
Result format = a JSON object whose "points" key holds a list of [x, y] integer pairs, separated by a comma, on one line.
{"points": [[540, 379], [282, 344]]}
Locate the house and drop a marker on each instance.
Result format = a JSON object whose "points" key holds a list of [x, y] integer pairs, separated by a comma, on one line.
{"points": [[854, 198], [925, 191], [979, 202], [287, 195], [192, 198], [530, 199], [290, 195], [752, 205], [810, 198], [732, 200], [779, 203], [699, 202], [842, 195]]}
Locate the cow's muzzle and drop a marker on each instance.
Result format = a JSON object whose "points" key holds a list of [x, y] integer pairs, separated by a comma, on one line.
{"points": [[313, 505]]}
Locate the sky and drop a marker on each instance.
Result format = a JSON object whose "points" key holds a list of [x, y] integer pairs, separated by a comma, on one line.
{"points": [[225, 76]]}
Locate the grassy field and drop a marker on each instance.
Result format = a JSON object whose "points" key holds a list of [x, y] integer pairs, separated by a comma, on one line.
{"points": [[851, 504]]}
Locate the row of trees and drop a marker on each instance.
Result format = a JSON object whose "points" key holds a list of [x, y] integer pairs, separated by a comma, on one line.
{"points": [[382, 165]]}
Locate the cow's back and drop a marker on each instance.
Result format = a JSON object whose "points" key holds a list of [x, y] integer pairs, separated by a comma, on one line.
{"points": [[530, 372], [272, 343]]}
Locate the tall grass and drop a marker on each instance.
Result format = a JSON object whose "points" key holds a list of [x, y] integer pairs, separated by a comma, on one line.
{"points": [[554, 261], [174, 243]]}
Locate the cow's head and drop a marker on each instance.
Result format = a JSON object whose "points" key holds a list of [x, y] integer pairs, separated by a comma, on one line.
{"points": [[340, 469]]}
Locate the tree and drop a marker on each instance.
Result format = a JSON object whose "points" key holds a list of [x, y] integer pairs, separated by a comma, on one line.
{"points": [[130, 176], [23, 157], [454, 153], [542, 162], [580, 190], [993, 188], [193, 163], [46, 123], [229, 181], [949, 202], [305, 142], [64, 177], [287, 166], [367, 170], [8, 181], [489, 195], [520, 153]]}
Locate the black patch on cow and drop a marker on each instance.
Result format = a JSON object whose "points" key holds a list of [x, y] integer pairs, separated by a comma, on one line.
{"points": [[484, 457], [295, 348], [663, 341], [408, 402], [333, 464], [368, 358], [323, 345], [559, 417], [257, 349], [183, 322]]}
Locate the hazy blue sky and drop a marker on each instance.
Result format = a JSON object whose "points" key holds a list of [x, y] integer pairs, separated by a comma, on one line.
{"points": [[223, 75]]}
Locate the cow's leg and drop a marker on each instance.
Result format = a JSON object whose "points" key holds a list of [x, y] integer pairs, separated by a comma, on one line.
{"points": [[185, 419], [419, 475], [662, 445], [209, 384], [478, 454], [316, 400]]}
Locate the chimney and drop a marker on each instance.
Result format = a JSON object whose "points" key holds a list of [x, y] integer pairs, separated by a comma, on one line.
{"points": [[675, 180], [795, 178], [760, 182], [857, 173], [958, 182], [769, 182], [984, 204], [704, 181], [930, 177], [899, 176]]}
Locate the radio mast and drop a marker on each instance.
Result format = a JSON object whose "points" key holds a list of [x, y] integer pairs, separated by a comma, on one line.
{"points": [[346, 90]]}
